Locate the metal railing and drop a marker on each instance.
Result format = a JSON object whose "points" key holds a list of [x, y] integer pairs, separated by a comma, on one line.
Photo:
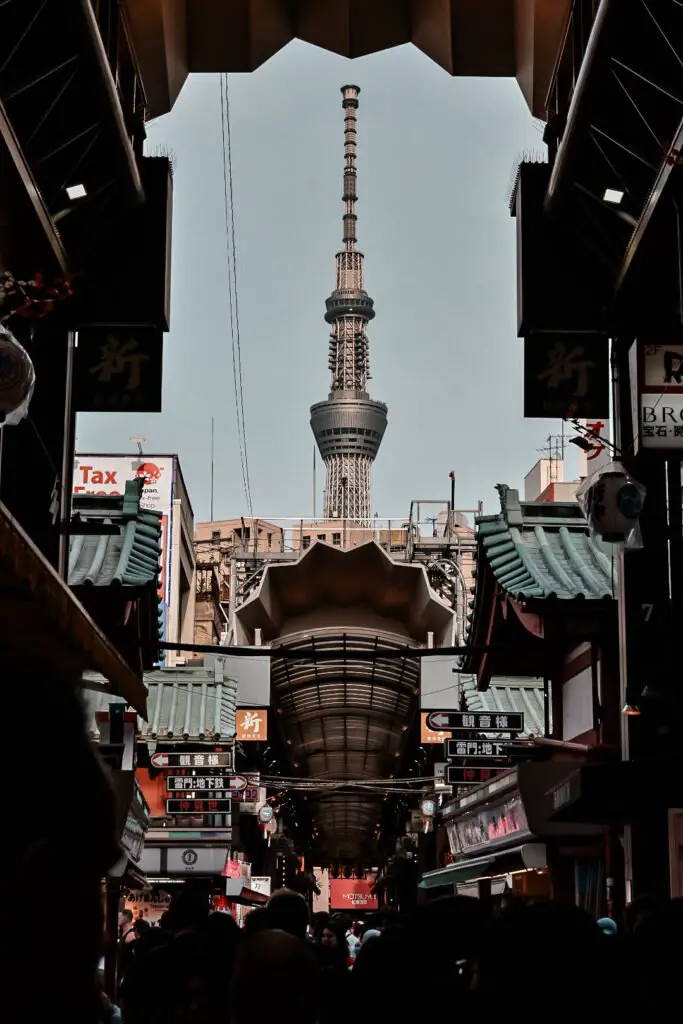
{"points": [[281, 535]]}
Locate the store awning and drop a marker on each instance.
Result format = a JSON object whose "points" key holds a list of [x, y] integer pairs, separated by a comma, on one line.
{"points": [[499, 862], [617, 792]]}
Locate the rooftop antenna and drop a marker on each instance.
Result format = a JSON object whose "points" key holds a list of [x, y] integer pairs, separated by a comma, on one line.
{"points": [[139, 441], [553, 450]]}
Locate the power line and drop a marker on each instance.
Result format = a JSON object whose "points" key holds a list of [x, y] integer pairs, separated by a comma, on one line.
{"points": [[229, 212]]}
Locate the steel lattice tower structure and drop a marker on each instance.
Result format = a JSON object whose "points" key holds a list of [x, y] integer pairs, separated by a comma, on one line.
{"points": [[349, 426]]}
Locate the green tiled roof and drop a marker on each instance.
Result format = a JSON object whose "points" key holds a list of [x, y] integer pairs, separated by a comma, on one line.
{"points": [[184, 704], [126, 556], [508, 693], [540, 549]]}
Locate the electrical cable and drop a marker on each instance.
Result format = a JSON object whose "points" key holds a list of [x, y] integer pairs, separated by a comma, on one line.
{"points": [[229, 214], [240, 375]]}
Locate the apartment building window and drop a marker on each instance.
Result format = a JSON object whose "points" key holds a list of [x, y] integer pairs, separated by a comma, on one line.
{"points": [[306, 541], [215, 536], [270, 541], [322, 536], [336, 539]]}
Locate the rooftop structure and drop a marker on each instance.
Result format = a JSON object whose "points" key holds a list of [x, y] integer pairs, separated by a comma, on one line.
{"points": [[349, 426]]}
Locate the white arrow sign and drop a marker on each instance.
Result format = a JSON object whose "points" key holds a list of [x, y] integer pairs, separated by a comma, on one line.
{"points": [[159, 760]]}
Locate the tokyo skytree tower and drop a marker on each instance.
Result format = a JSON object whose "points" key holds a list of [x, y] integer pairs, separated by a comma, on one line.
{"points": [[349, 426]]}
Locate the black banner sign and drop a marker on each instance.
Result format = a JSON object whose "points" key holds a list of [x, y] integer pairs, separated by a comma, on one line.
{"points": [[566, 376], [118, 370], [475, 721], [457, 776], [476, 748], [215, 804], [171, 759]]}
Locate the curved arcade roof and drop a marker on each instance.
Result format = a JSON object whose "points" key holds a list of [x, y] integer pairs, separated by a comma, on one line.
{"points": [[345, 717]]}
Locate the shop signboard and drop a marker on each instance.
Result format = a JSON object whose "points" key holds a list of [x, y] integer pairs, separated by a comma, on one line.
{"points": [[488, 826], [118, 370], [227, 784], [657, 376], [107, 474], [150, 906], [133, 836], [566, 376], [251, 725], [237, 874], [428, 735], [261, 884], [196, 860], [352, 894], [191, 804], [172, 759], [249, 795], [476, 721]]}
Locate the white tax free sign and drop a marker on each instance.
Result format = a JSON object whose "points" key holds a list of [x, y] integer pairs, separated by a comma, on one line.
{"points": [[107, 474]]}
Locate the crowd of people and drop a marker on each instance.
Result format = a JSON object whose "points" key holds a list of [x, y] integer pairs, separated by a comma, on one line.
{"points": [[449, 957]]}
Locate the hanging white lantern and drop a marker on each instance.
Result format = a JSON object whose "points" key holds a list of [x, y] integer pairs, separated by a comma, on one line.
{"points": [[17, 379]]}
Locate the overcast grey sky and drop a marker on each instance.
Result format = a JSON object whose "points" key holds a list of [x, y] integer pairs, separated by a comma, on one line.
{"points": [[434, 159]]}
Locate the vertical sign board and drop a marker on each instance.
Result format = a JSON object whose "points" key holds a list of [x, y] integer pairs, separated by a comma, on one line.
{"points": [[118, 370], [566, 376], [251, 725], [107, 474], [657, 394]]}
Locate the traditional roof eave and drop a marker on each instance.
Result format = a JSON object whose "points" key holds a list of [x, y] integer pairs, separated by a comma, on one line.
{"points": [[186, 704], [537, 560], [128, 556], [37, 603]]}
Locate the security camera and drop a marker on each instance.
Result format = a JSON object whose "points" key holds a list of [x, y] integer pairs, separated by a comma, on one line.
{"points": [[613, 503]]}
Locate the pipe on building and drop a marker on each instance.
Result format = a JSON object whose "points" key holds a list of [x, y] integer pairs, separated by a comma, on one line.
{"points": [[128, 166], [580, 108]]}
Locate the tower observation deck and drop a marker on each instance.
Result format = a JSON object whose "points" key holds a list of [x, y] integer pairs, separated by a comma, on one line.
{"points": [[350, 425]]}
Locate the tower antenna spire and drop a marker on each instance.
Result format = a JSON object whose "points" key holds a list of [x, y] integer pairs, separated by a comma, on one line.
{"points": [[349, 426]]}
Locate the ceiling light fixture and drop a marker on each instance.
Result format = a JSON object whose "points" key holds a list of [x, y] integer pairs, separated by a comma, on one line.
{"points": [[613, 195], [76, 191]]}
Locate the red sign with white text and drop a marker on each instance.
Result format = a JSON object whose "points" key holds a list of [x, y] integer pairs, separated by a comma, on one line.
{"points": [[352, 894]]}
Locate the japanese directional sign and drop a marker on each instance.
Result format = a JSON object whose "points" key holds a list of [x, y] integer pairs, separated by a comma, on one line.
{"points": [[476, 721], [476, 748], [197, 806], [221, 759], [221, 783], [202, 794]]}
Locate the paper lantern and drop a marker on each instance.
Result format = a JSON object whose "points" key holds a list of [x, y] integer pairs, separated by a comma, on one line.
{"points": [[17, 379]]}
